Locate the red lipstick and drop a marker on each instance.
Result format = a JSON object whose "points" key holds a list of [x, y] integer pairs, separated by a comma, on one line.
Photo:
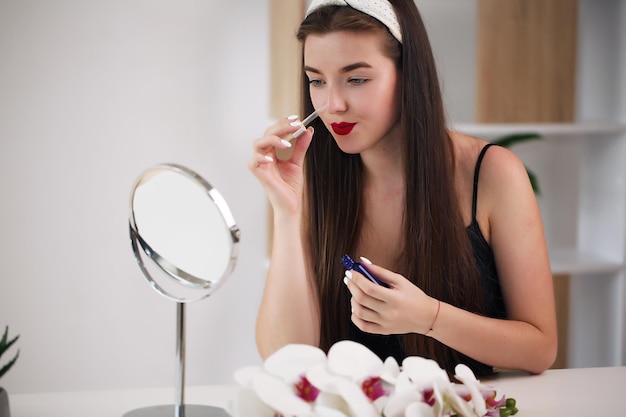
{"points": [[342, 128]]}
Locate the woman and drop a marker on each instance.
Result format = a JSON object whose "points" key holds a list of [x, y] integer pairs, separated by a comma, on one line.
{"points": [[454, 230]]}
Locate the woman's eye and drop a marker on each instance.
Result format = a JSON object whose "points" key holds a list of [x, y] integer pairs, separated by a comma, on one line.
{"points": [[357, 81], [316, 83]]}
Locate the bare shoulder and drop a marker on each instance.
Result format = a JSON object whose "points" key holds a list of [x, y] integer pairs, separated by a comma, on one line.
{"points": [[502, 182], [497, 158], [508, 208], [503, 173]]}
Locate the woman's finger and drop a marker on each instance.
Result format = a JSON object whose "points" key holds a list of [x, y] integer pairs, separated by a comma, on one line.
{"points": [[284, 128], [362, 312], [258, 160], [364, 291]]}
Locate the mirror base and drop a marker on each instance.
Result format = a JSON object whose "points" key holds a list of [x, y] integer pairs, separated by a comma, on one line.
{"points": [[174, 411]]}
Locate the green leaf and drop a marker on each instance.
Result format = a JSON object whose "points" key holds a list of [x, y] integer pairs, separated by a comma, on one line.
{"points": [[534, 182], [4, 345], [8, 366]]}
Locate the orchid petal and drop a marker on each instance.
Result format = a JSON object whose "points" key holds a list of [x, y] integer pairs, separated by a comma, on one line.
{"points": [[334, 401], [353, 360], [380, 403], [490, 396], [398, 403], [419, 409], [464, 374], [246, 403], [391, 370], [321, 378], [357, 401], [450, 397], [275, 393], [321, 411], [291, 361], [422, 372]]}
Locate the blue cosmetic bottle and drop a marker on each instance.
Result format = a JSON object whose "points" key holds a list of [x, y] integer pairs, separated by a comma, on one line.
{"points": [[349, 263]]}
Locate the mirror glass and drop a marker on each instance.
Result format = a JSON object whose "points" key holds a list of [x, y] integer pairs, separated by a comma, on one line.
{"points": [[182, 232]]}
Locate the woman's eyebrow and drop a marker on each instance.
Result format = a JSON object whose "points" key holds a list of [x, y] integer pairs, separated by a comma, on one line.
{"points": [[311, 69], [347, 68], [356, 65]]}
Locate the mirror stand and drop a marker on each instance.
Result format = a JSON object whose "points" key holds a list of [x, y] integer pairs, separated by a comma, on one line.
{"points": [[184, 239], [179, 408]]}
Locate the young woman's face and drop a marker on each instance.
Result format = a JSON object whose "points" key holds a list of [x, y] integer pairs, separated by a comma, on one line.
{"points": [[350, 72]]}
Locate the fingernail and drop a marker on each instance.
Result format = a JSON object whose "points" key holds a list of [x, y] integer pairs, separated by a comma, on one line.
{"points": [[268, 158], [292, 117], [345, 280], [349, 274], [367, 261], [286, 143], [296, 123]]}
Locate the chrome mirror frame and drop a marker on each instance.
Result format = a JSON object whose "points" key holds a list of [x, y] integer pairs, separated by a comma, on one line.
{"points": [[203, 285]]}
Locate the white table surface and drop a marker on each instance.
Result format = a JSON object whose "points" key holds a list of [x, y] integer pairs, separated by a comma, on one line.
{"points": [[569, 393], [584, 392]]}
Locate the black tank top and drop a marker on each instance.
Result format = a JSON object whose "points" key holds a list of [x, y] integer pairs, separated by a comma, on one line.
{"points": [[485, 261], [389, 345]]}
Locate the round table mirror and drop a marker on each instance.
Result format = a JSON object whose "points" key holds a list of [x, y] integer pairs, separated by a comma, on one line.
{"points": [[185, 239]]}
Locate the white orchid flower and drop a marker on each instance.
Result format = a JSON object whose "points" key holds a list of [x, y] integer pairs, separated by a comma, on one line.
{"points": [[480, 397], [391, 370], [351, 381], [448, 401], [464, 374], [280, 387], [424, 389], [415, 385], [420, 373], [353, 374], [247, 403]]}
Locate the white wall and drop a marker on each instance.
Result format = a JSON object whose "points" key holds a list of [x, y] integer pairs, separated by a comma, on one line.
{"points": [[600, 46], [451, 26], [91, 94], [622, 119]]}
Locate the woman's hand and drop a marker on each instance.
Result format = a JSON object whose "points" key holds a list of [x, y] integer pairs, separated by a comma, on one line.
{"points": [[401, 308], [281, 179]]}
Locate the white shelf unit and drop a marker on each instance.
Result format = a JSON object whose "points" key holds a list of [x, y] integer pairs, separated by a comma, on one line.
{"points": [[581, 170]]}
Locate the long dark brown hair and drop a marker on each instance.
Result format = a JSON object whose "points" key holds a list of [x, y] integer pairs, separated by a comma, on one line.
{"points": [[437, 253]]}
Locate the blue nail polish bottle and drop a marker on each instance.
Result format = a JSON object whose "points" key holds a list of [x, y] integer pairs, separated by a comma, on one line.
{"points": [[349, 263]]}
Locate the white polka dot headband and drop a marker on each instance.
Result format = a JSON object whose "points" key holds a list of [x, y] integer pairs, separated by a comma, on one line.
{"points": [[380, 10]]}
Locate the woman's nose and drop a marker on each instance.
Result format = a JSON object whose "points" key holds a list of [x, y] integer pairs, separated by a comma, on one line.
{"points": [[336, 101]]}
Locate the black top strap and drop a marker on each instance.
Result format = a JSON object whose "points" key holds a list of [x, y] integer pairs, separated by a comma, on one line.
{"points": [[476, 171]]}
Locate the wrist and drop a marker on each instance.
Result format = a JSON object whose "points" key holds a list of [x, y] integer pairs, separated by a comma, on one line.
{"points": [[286, 218], [435, 316]]}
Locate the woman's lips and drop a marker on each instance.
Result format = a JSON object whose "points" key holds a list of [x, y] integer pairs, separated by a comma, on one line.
{"points": [[342, 128]]}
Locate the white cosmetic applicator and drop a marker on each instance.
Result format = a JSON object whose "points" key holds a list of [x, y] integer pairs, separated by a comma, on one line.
{"points": [[308, 120]]}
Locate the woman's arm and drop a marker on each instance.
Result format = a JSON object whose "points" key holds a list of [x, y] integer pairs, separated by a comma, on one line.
{"points": [[288, 311], [527, 340], [516, 236]]}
